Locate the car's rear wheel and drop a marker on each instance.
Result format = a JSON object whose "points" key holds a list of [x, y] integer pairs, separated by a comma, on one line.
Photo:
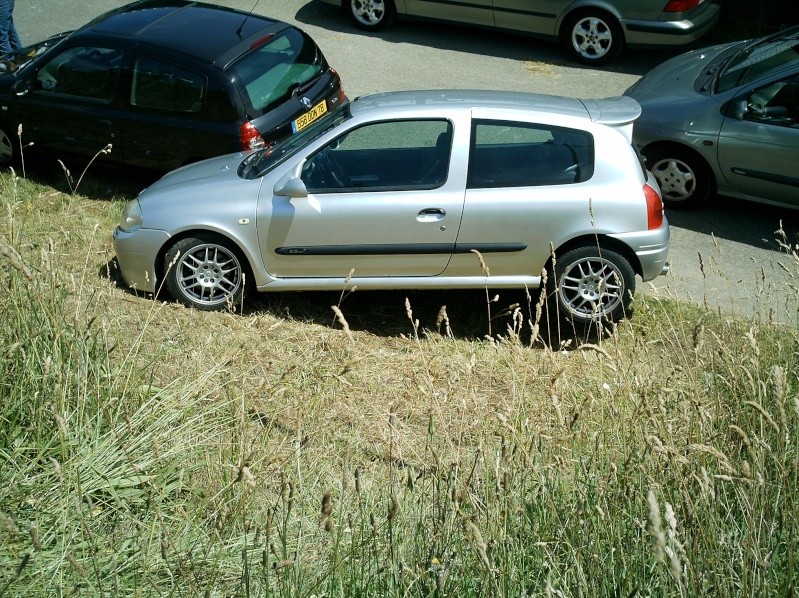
{"points": [[371, 15], [205, 272], [7, 152], [685, 179], [591, 284], [593, 37]]}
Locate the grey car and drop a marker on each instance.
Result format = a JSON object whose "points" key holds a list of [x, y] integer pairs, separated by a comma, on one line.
{"points": [[724, 120], [593, 31], [403, 190]]}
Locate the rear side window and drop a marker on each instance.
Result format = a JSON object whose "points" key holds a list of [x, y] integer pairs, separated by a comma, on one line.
{"points": [[269, 73], [162, 85], [513, 154]]}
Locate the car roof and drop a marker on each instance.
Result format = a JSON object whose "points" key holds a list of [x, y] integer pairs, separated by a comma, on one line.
{"points": [[616, 112], [204, 31]]}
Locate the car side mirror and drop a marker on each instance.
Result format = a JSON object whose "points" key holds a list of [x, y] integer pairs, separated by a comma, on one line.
{"points": [[741, 109], [21, 87], [290, 186]]}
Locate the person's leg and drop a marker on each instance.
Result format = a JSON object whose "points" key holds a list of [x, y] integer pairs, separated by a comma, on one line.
{"points": [[6, 23], [13, 36]]}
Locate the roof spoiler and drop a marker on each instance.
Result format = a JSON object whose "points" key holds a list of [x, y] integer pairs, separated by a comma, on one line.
{"points": [[619, 113]]}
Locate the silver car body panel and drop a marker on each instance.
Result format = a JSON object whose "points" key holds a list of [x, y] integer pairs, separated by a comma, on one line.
{"points": [[326, 240]]}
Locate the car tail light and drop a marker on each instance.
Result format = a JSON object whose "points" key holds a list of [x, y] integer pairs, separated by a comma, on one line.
{"points": [[260, 42], [681, 5], [250, 137], [341, 95], [654, 208]]}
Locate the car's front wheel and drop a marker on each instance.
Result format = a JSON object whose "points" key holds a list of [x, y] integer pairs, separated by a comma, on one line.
{"points": [[593, 37], [7, 152], [685, 179], [371, 15], [591, 284], [205, 272]]}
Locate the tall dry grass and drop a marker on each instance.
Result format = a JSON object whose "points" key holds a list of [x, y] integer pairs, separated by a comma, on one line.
{"points": [[147, 449]]}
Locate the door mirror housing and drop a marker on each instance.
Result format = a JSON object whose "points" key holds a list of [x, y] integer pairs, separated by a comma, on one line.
{"points": [[21, 87], [291, 186], [740, 110]]}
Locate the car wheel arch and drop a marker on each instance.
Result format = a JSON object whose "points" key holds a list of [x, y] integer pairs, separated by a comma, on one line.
{"points": [[578, 7], [211, 235], [9, 142], [601, 241]]}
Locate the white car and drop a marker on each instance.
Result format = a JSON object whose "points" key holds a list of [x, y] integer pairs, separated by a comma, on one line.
{"points": [[399, 191]]}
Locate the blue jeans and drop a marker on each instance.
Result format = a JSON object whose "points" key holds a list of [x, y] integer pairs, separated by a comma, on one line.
{"points": [[9, 40]]}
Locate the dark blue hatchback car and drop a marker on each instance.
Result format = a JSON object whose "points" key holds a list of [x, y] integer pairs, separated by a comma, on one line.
{"points": [[166, 83]]}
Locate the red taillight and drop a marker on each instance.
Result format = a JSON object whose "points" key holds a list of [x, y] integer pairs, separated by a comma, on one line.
{"points": [[654, 208], [250, 137], [342, 97], [681, 5]]}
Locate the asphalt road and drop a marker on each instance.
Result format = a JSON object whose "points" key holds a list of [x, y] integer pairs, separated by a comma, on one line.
{"points": [[724, 255]]}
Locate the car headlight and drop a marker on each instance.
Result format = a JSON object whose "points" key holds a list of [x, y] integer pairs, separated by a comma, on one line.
{"points": [[131, 216]]}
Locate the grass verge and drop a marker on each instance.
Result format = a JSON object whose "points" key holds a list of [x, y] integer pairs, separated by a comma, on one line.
{"points": [[147, 449]]}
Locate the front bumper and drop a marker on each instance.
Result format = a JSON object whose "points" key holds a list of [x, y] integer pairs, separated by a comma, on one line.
{"points": [[137, 252]]}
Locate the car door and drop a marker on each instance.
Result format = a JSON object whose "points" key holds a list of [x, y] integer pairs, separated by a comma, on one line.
{"points": [[758, 148], [530, 16], [72, 103], [520, 194], [476, 12], [175, 115], [379, 203]]}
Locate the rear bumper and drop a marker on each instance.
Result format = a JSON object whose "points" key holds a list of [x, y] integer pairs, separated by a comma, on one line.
{"points": [[672, 33], [651, 248]]}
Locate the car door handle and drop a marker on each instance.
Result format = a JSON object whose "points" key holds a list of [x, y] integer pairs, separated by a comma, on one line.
{"points": [[431, 214]]}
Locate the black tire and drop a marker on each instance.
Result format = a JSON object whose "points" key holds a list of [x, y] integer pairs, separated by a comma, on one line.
{"points": [[370, 15], [591, 284], [592, 37], [8, 152], [205, 272], [685, 179]]}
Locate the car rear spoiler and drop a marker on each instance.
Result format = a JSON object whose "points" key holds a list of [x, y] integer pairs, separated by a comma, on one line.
{"points": [[619, 113]]}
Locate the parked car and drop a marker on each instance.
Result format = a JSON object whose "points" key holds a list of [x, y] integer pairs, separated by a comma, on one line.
{"points": [[592, 31], [724, 120], [398, 191], [166, 83]]}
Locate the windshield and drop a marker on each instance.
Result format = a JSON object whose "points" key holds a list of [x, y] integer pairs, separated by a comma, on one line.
{"points": [[760, 58], [269, 74], [261, 162], [12, 62]]}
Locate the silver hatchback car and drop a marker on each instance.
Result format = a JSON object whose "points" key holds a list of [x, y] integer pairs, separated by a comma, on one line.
{"points": [[401, 191], [593, 31]]}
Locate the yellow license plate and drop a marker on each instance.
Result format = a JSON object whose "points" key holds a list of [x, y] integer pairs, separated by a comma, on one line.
{"points": [[309, 117]]}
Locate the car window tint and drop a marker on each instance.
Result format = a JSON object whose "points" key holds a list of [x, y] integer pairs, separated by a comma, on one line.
{"points": [[273, 70], [512, 154], [776, 103], [86, 72], [759, 59], [397, 155], [161, 85]]}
